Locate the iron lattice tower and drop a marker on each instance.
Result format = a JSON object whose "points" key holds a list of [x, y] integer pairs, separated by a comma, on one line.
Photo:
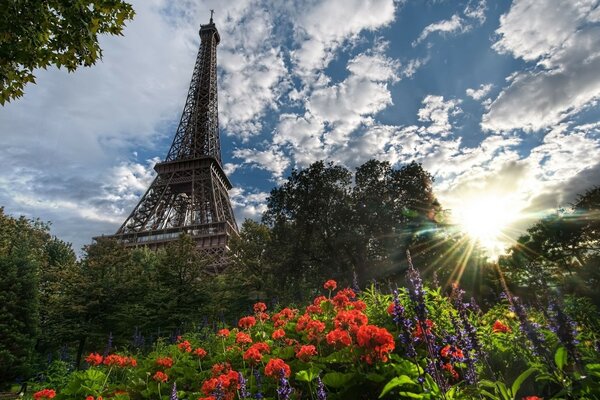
{"points": [[190, 191]]}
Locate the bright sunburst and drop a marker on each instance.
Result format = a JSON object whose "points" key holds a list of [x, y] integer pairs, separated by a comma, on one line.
{"points": [[486, 219]]}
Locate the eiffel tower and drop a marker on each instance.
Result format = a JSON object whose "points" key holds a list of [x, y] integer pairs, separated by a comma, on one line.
{"points": [[190, 192]]}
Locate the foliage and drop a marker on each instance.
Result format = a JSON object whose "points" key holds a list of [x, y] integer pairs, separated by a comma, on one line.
{"points": [[21, 257], [37, 34], [560, 253], [344, 346]]}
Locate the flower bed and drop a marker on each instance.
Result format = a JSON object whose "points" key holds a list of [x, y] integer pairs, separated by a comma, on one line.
{"points": [[412, 343]]}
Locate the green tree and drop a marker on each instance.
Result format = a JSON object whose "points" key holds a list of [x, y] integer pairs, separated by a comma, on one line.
{"points": [[37, 34], [21, 257]]}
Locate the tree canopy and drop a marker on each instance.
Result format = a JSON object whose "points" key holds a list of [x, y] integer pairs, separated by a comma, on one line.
{"points": [[36, 34]]}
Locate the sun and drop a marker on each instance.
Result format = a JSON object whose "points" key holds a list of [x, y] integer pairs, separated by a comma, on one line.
{"points": [[486, 219]]}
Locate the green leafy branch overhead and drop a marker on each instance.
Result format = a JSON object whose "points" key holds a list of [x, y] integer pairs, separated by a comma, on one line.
{"points": [[64, 33]]}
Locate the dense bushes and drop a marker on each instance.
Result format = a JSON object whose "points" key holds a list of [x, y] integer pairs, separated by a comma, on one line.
{"points": [[413, 343]]}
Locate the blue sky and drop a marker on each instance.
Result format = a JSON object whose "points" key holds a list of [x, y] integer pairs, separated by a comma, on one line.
{"points": [[497, 99]]}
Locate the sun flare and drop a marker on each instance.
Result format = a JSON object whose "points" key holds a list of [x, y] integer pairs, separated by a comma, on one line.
{"points": [[486, 219]]}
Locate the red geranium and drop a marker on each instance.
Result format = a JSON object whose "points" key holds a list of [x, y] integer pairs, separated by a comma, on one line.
{"points": [[500, 327], [160, 376], [314, 328], [165, 362], [94, 359], [378, 342], [253, 356], [419, 332], [306, 352], [330, 285], [340, 300], [359, 305], [339, 338], [119, 361], [200, 352], [223, 333], [247, 322], [275, 366], [350, 320], [185, 346], [44, 394], [243, 338], [283, 317], [450, 369], [533, 398], [302, 322], [390, 308], [278, 334], [260, 307], [449, 351]]}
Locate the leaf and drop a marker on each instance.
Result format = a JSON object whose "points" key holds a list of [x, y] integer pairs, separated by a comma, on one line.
{"points": [[375, 377], [503, 391], [395, 382], [560, 357], [337, 380], [307, 375], [520, 379]]}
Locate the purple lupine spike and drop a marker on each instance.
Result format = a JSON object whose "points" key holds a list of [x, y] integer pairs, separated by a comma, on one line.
{"points": [[321, 393], [530, 329], [284, 390], [218, 393], [174, 392], [243, 389], [405, 325], [564, 328], [258, 379]]}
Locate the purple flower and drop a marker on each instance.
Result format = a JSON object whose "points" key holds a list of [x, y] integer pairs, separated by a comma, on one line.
{"points": [[564, 328], [243, 390], [284, 390], [405, 324], [174, 392], [258, 380], [530, 329], [108, 345], [321, 394]]}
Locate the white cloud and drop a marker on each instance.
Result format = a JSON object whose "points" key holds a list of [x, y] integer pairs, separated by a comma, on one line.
{"points": [[322, 26], [437, 111], [478, 94], [454, 24], [247, 204], [563, 40], [271, 159], [476, 10]]}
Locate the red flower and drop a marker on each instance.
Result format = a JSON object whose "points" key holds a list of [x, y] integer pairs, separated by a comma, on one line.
{"points": [[452, 352], [44, 394], [247, 322], [94, 359], [253, 356], [378, 342], [350, 320], [348, 293], [340, 300], [339, 338], [275, 366], [359, 305], [260, 307], [390, 308], [533, 398], [210, 385], [262, 347], [500, 327], [278, 334], [418, 332], [314, 328], [165, 362], [312, 309], [330, 285], [449, 368], [200, 352], [243, 338], [223, 333], [306, 352], [302, 322], [119, 361], [160, 376], [185, 346], [262, 316], [220, 368], [207, 398], [90, 398], [283, 317]]}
